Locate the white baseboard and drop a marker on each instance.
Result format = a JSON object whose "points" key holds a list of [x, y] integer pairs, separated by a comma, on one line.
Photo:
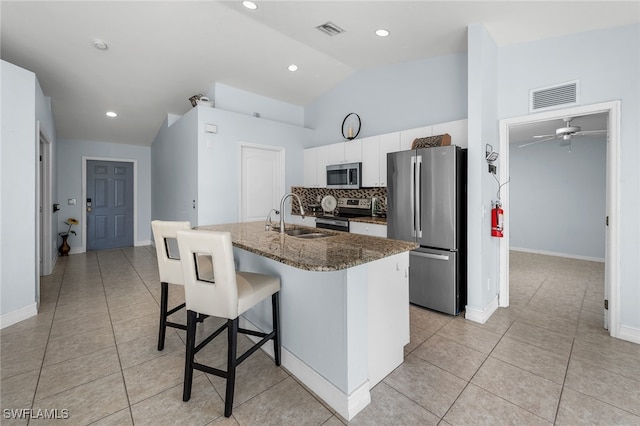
{"points": [[18, 315], [630, 334], [345, 405], [553, 253], [481, 315]]}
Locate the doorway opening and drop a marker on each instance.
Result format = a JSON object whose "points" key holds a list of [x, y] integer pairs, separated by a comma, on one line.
{"points": [[611, 282], [46, 236]]}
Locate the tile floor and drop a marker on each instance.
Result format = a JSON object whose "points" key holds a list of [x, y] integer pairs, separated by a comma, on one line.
{"points": [[544, 360]]}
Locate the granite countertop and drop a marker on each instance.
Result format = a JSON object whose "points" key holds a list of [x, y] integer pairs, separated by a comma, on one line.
{"points": [[341, 250]]}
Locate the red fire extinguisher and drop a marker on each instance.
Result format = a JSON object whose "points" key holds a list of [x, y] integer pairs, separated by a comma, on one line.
{"points": [[497, 224]]}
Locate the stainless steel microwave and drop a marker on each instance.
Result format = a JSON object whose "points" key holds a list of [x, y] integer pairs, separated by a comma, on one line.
{"points": [[344, 176]]}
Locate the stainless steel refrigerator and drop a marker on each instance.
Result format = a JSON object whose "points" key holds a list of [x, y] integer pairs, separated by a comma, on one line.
{"points": [[427, 204]]}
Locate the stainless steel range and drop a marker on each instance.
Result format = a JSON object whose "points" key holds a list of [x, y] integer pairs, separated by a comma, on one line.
{"points": [[348, 208]]}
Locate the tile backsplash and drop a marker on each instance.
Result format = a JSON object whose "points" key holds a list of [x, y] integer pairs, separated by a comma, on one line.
{"points": [[315, 195]]}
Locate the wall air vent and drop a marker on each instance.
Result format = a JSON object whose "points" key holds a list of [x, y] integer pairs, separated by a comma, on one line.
{"points": [[330, 29], [564, 94]]}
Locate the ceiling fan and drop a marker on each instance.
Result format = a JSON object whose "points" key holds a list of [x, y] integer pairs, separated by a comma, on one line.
{"points": [[565, 133]]}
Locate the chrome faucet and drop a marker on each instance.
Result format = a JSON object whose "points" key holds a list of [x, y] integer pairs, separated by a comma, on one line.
{"points": [[282, 209], [267, 223]]}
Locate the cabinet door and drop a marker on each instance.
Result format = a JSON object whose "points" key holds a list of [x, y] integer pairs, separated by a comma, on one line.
{"points": [[310, 168], [322, 159], [457, 129], [353, 151], [335, 153], [358, 228], [389, 142], [371, 161], [407, 136]]}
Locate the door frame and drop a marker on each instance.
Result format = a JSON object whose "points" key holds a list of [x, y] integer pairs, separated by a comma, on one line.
{"points": [[281, 184], [612, 239], [83, 206]]}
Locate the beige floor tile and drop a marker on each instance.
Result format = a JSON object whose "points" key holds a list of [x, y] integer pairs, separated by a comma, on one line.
{"points": [[255, 375], [17, 391], [472, 335], [18, 362], [603, 385], [426, 319], [614, 355], [88, 402], [120, 418], [579, 409], [79, 324], [204, 405], [155, 376], [390, 407], [428, 385], [137, 351], [457, 359], [540, 337], [42, 320], [526, 390], [35, 338], [148, 307], [59, 377], [549, 322], [79, 344], [477, 406], [417, 337], [532, 359], [284, 403], [126, 331]]}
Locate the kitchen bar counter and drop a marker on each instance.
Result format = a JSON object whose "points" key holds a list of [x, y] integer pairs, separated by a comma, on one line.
{"points": [[344, 307], [341, 250]]}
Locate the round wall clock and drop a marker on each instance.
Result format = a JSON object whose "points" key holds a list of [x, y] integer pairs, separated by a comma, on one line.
{"points": [[351, 126]]}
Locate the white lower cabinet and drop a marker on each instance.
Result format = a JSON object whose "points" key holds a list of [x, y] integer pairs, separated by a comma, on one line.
{"points": [[370, 229]]}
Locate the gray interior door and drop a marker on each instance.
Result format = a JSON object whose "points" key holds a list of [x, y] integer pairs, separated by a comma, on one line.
{"points": [[109, 205]]}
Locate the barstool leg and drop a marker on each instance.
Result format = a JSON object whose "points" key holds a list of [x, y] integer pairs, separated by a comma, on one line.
{"points": [[275, 308], [188, 359], [164, 300], [232, 339]]}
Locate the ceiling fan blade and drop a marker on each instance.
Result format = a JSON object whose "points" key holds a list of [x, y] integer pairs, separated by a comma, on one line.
{"points": [[535, 142], [591, 132], [543, 136]]}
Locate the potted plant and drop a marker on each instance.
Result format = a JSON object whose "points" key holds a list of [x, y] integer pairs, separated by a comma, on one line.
{"points": [[64, 247]]}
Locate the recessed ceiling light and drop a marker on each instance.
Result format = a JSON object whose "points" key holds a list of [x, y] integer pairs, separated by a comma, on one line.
{"points": [[100, 44], [293, 67], [249, 5], [111, 114], [382, 32]]}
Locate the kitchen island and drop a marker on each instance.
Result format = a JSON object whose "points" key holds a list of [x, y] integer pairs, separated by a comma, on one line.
{"points": [[344, 306]]}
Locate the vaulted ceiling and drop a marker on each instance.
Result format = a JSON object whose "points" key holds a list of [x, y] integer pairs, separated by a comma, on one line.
{"points": [[161, 53]]}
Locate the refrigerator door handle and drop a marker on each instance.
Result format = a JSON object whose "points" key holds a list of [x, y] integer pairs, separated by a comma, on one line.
{"points": [[418, 197], [412, 196], [430, 255]]}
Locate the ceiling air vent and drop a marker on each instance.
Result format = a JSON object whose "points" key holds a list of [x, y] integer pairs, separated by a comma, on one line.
{"points": [[330, 29], [549, 97]]}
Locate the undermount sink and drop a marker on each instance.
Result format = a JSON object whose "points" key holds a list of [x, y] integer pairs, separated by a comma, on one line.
{"points": [[306, 233]]}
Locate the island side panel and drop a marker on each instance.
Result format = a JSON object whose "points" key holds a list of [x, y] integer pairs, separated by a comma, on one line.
{"points": [[313, 316]]}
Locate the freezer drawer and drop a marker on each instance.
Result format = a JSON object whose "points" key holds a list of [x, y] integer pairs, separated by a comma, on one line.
{"points": [[434, 281]]}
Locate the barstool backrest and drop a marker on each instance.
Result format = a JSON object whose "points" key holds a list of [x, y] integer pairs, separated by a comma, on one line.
{"points": [[169, 268], [215, 295]]}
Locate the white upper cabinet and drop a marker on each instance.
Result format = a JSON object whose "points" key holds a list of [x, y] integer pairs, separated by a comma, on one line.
{"points": [[374, 158], [407, 136], [457, 129], [315, 167], [345, 152]]}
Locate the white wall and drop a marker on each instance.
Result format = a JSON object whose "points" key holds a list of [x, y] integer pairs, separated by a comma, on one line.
{"points": [[558, 197], [70, 153], [482, 259], [190, 164], [392, 98], [607, 63], [23, 104], [246, 103]]}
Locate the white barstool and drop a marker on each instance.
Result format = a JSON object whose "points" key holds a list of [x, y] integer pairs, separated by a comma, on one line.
{"points": [[227, 294], [170, 270]]}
